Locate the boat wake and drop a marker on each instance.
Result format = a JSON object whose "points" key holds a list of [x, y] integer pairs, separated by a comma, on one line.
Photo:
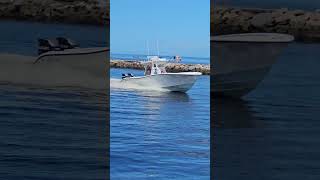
{"points": [[21, 70]]}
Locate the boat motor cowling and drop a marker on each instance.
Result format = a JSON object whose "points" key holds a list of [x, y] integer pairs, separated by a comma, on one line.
{"points": [[66, 43], [127, 75], [45, 45]]}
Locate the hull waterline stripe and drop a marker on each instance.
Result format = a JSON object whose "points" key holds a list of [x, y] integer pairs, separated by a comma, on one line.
{"points": [[80, 53]]}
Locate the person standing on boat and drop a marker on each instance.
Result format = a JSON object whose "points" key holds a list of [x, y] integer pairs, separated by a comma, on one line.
{"points": [[177, 59]]}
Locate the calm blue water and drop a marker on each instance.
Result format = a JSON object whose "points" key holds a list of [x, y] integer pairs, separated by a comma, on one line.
{"points": [[291, 4], [157, 135], [50, 132], [274, 132]]}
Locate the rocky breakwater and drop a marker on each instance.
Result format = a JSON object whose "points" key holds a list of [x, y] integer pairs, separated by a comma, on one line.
{"points": [[171, 67], [68, 11], [304, 25]]}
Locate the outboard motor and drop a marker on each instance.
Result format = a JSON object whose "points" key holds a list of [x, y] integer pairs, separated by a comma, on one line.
{"points": [[66, 43], [45, 45], [127, 75]]}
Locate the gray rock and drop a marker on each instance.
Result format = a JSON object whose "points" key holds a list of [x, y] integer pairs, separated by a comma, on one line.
{"points": [[283, 19], [298, 12], [305, 25], [89, 11], [171, 67], [261, 20], [313, 25]]}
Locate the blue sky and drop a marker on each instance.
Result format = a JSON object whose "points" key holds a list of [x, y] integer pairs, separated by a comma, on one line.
{"points": [[182, 27]]}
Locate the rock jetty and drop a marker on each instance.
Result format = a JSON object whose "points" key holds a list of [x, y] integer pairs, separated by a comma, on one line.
{"points": [[304, 25], [171, 67], [67, 11]]}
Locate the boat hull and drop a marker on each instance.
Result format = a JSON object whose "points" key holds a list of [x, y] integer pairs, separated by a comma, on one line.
{"points": [[90, 60], [239, 83], [175, 82], [239, 66]]}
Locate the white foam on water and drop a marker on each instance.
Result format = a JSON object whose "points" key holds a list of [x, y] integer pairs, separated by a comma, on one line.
{"points": [[20, 70]]}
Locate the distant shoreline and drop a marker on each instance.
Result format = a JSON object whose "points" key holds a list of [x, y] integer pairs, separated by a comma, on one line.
{"points": [[171, 67], [303, 25], [91, 12], [117, 56]]}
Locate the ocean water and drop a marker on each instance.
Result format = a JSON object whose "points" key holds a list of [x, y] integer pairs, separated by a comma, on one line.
{"points": [[159, 135], [273, 132], [46, 131]]}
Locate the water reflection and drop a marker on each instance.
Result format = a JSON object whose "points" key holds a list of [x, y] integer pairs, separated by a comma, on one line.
{"points": [[238, 151], [156, 103], [232, 113], [164, 97]]}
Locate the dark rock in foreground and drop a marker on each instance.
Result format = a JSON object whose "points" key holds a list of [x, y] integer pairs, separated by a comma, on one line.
{"points": [[67, 11], [171, 67], [304, 25]]}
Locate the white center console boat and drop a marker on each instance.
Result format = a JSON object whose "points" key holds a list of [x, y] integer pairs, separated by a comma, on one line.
{"points": [[156, 77]]}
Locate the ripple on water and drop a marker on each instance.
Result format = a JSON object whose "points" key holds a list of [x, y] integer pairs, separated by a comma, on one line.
{"points": [[52, 133], [273, 132], [160, 134]]}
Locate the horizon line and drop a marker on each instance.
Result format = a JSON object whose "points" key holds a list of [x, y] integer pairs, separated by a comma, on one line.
{"points": [[160, 55]]}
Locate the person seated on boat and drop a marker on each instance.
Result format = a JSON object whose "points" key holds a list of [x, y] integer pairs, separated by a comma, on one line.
{"points": [[124, 76], [129, 74]]}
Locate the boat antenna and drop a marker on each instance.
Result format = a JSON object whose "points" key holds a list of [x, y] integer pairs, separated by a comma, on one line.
{"points": [[147, 48], [158, 47]]}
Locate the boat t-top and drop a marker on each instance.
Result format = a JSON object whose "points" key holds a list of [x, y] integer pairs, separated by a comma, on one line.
{"points": [[156, 76]]}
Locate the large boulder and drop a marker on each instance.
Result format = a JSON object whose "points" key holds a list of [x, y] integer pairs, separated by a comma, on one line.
{"points": [[262, 20], [87, 11]]}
